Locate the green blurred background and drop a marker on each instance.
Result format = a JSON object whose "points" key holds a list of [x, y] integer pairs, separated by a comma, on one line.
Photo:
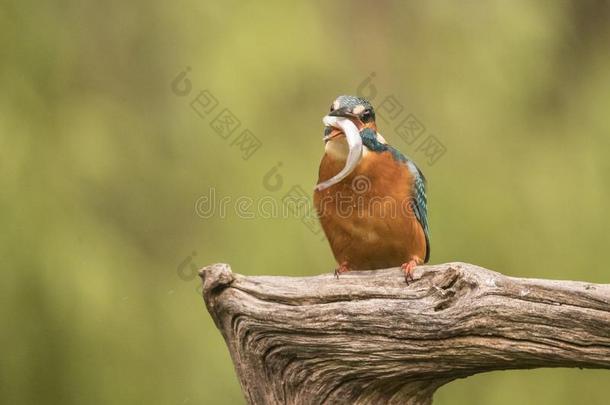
{"points": [[102, 163]]}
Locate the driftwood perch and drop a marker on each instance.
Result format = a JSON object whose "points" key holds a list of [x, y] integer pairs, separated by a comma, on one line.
{"points": [[368, 338]]}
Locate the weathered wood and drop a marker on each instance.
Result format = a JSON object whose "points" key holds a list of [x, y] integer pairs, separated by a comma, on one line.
{"points": [[368, 338]]}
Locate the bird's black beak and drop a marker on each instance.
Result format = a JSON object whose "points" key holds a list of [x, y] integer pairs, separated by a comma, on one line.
{"points": [[342, 112]]}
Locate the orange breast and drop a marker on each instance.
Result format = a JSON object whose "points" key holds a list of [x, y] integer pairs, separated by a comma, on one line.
{"points": [[368, 217]]}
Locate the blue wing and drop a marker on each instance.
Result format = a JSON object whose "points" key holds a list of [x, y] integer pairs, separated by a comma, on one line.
{"points": [[420, 202]]}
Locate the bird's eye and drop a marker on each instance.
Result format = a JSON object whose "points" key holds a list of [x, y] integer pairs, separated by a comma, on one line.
{"points": [[331, 108], [366, 115]]}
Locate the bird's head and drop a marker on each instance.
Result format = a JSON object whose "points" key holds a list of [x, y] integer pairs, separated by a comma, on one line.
{"points": [[348, 117], [356, 109]]}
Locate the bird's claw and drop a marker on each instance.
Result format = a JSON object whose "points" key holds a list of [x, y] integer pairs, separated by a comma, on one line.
{"points": [[408, 268], [343, 268]]}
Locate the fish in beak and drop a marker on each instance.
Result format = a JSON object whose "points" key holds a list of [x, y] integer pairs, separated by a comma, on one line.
{"points": [[339, 120]]}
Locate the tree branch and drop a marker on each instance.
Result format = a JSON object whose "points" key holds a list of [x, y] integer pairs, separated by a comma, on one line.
{"points": [[368, 338]]}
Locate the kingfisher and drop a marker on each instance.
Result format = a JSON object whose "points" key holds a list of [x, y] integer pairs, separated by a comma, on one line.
{"points": [[370, 198]]}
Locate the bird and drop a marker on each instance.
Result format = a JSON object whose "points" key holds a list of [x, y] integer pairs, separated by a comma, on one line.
{"points": [[370, 198]]}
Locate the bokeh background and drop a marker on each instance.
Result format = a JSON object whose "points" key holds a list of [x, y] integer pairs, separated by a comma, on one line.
{"points": [[102, 161]]}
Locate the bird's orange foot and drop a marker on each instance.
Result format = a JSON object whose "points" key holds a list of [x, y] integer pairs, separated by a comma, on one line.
{"points": [[408, 269], [343, 268]]}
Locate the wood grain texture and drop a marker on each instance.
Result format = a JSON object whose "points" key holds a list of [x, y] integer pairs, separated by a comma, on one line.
{"points": [[368, 338]]}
